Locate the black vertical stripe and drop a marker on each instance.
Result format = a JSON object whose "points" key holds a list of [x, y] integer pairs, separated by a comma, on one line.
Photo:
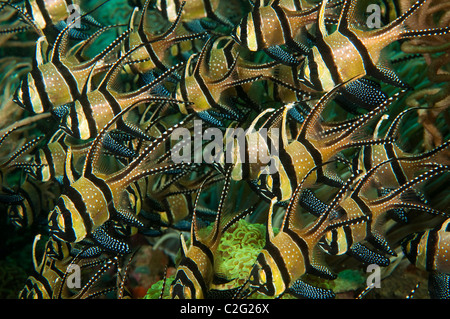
{"points": [[256, 17], [369, 65], [412, 254], [48, 288], [192, 266], [26, 98], [149, 48], [178, 289], [246, 165], [164, 9], [205, 249], [170, 215], [205, 90], [327, 55], [285, 27], [276, 256], [106, 191], [288, 165], [177, 4], [276, 181], [77, 199], [183, 89], [348, 236], [316, 156], [75, 131], [395, 165], [51, 165], [268, 288], [69, 234], [44, 12], [367, 158], [333, 247], [208, 9], [302, 245], [58, 271], [432, 243], [366, 211], [87, 113], [40, 88], [244, 31], [112, 102], [343, 19], [313, 73], [297, 4], [68, 77]]}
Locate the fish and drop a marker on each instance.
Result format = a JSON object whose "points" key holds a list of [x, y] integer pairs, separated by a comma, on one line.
{"points": [[328, 62], [196, 269]]}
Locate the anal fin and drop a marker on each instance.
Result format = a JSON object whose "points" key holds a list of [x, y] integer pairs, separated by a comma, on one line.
{"points": [[388, 76], [301, 289]]}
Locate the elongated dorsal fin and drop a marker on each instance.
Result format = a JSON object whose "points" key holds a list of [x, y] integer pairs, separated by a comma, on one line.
{"points": [[321, 30], [194, 227], [60, 45], [407, 14], [347, 14], [36, 265], [184, 248], [41, 51], [100, 56], [362, 182], [133, 17], [95, 148], [217, 229], [435, 170], [25, 16], [393, 128], [175, 24], [313, 116], [68, 177], [291, 209]]}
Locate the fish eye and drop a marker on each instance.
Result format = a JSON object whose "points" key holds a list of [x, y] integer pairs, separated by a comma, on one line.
{"points": [[254, 279], [60, 221], [325, 242], [132, 199], [191, 66], [16, 97], [236, 34]]}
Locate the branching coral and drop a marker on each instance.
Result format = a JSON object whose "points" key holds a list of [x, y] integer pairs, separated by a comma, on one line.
{"points": [[436, 51]]}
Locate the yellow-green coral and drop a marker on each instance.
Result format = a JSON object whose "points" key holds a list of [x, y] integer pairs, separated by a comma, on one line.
{"points": [[238, 249], [154, 292], [236, 254]]}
